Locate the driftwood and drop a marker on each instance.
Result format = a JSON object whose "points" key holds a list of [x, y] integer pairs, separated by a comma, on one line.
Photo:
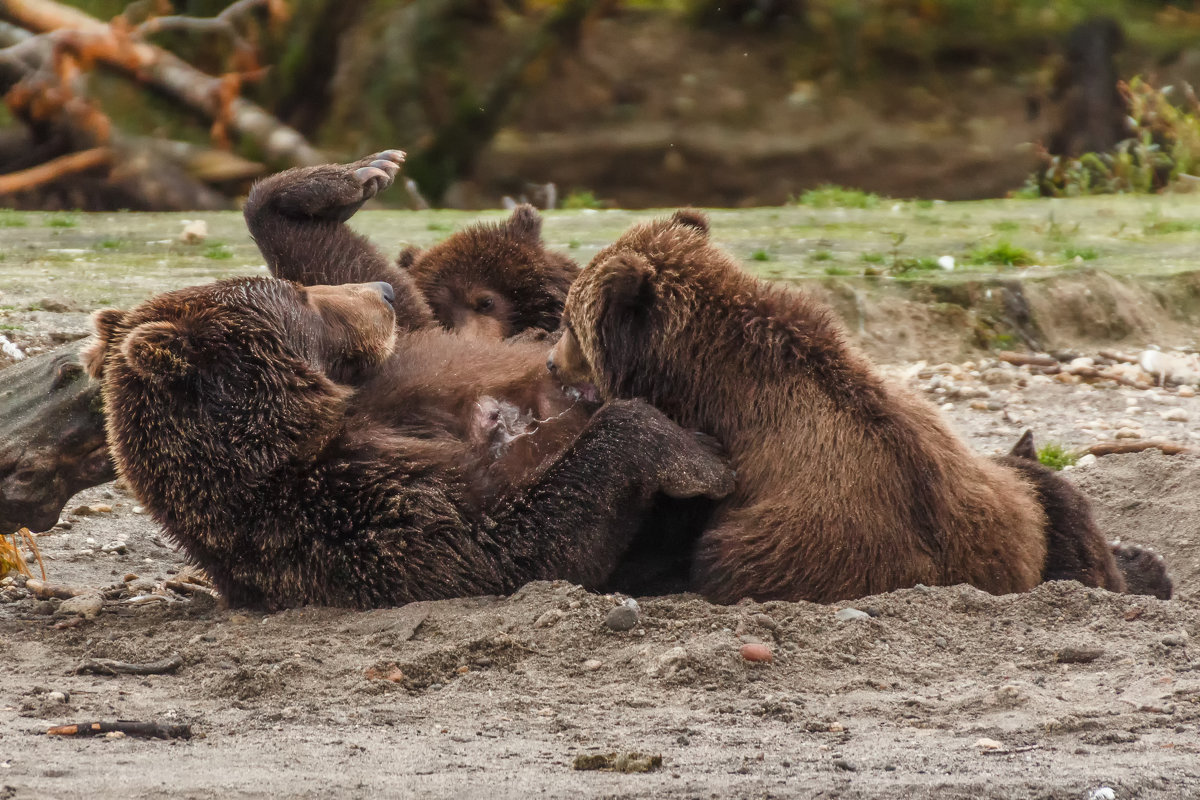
{"points": [[55, 169], [145, 730], [47, 590], [1024, 359], [71, 40], [107, 666], [52, 435], [1119, 448]]}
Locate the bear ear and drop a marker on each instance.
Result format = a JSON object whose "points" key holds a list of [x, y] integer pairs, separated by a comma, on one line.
{"points": [[105, 321], [525, 223], [407, 257], [157, 349], [628, 281], [691, 218], [1024, 447]]}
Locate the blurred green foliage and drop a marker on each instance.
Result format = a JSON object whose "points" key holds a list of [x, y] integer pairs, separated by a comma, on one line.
{"points": [[1162, 150]]}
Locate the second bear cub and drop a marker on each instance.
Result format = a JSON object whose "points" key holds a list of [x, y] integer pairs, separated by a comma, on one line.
{"points": [[846, 485]]}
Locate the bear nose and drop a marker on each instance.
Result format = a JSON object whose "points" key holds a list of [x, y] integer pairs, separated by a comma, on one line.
{"points": [[550, 365], [386, 291]]}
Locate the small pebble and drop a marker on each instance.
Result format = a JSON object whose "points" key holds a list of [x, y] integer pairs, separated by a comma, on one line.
{"points": [[593, 664], [1186, 391], [1128, 433], [849, 614], [549, 618], [115, 735], [1175, 415], [1102, 793], [194, 231], [1086, 460], [624, 617], [1175, 639], [85, 605], [989, 744], [844, 765], [757, 652]]}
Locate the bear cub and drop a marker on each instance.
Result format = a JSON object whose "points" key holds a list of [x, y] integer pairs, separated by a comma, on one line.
{"points": [[494, 280]]}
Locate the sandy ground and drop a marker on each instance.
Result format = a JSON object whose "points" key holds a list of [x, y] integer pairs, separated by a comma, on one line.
{"points": [[1077, 689]]}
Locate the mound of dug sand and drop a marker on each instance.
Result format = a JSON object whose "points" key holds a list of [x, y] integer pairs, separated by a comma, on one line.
{"points": [[1149, 498], [945, 692]]}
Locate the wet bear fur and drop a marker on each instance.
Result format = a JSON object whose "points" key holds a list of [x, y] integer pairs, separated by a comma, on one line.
{"points": [[846, 486], [494, 279], [1076, 549], [232, 413]]}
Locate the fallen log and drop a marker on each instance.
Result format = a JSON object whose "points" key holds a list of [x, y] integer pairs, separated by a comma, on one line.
{"points": [[51, 436], [123, 51], [54, 169]]}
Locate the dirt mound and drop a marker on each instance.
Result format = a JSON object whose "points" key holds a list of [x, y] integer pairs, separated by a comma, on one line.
{"points": [[934, 692]]}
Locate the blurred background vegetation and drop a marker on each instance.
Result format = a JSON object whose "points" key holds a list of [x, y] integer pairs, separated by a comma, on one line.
{"points": [[631, 103]]}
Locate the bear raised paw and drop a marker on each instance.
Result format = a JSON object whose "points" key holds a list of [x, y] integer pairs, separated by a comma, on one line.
{"points": [[297, 218]]}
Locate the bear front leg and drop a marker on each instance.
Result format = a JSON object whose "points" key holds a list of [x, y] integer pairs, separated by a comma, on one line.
{"points": [[327, 192], [579, 517], [297, 219]]}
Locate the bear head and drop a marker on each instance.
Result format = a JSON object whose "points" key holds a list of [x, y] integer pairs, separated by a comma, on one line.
{"points": [[232, 379], [625, 311], [494, 280]]}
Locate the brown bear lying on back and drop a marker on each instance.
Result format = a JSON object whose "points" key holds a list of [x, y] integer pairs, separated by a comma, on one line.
{"points": [[846, 486]]}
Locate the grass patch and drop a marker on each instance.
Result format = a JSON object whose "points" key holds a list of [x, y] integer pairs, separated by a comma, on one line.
{"points": [[10, 219], [218, 251], [1084, 253], [873, 258], [821, 255], [1173, 226], [761, 255], [905, 266], [574, 244], [1004, 253], [63, 222], [1005, 226], [1055, 456], [829, 196], [582, 198], [440, 227], [110, 244], [835, 270]]}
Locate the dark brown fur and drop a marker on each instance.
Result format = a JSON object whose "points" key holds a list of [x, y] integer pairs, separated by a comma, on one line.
{"points": [[846, 486], [494, 280], [1075, 547], [233, 413], [297, 218]]}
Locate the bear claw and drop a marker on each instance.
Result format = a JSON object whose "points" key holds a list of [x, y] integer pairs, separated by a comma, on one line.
{"points": [[365, 174]]}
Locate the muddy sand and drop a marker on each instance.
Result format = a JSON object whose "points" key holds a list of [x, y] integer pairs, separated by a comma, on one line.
{"points": [[1064, 692]]}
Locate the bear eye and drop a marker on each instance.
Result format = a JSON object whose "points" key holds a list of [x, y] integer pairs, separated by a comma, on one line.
{"points": [[485, 304]]}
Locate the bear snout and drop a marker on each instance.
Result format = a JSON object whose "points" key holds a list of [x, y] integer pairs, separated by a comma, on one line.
{"points": [[386, 292]]}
